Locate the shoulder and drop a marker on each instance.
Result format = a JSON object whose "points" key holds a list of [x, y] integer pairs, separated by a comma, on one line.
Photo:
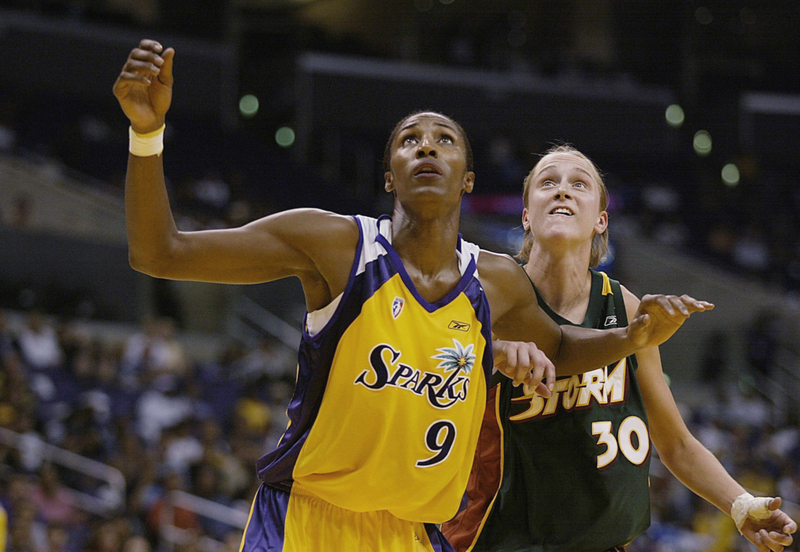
{"points": [[631, 301], [505, 283], [494, 266]]}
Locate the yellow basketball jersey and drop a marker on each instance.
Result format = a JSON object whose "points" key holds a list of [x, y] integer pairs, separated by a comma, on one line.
{"points": [[390, 391]]}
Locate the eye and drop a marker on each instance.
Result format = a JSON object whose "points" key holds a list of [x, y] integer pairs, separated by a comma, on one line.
{"points": [[410, 139], [447, 139], [548, 183], [579, 184]]}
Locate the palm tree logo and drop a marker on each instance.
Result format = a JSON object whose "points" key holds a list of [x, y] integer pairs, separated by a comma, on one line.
{"points": [[456, 358]]}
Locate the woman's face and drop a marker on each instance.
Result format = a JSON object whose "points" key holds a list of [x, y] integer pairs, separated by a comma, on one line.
{"points": [[563, 202], [428, 160]]}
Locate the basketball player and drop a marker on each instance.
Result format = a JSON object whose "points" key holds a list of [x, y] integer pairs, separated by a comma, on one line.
{"points": [[569, 473], [396, 350]]}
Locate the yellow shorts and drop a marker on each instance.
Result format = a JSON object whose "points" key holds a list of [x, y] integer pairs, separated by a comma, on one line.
{"points": [[300, 521]]}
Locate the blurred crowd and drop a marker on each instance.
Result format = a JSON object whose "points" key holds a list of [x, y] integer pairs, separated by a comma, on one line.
{"points": [[144, 406]]}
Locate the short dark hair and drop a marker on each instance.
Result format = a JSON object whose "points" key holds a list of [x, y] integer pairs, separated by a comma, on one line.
{"points": [[387, 152]]}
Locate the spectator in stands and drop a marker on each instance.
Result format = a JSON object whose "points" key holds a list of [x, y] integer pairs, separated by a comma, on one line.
{"points": [[53, 502], [160, 407], [154, 350], [39, 344], [181, 448], [235, 476], [271, 359], [160, 511]]}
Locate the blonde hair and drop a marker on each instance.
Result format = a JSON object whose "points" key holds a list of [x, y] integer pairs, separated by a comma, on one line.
{"points": [[599, 241]]}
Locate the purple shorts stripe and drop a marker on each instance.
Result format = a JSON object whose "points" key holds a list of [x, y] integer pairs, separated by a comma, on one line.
{"points": [[438, 541], [264, 531]]}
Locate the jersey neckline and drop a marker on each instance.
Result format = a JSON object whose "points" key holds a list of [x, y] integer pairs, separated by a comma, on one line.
{"points": [[466, 274]]}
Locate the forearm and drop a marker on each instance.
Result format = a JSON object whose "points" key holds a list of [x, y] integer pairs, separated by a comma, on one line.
{"points": [[150, 225], [583, 349], [702, 473]]}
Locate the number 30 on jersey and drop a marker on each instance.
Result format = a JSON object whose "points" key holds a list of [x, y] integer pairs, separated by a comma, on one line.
{"points": [[636, 453]]}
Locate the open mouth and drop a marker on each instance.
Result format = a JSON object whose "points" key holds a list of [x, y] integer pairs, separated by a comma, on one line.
{"points": [[562, 211], [427, 170]]}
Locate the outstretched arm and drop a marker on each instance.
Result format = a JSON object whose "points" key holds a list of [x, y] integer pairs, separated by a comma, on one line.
{"points": [[516, 316], [690, 461], [314, 245]]}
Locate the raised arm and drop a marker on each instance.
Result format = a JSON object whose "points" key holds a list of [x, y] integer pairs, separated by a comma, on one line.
{"points": [[691, 462], [316, 246], [516, 316]]}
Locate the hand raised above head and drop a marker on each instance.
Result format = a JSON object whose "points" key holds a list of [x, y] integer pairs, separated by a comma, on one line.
{"points": [[659, 317], [144, 86]]}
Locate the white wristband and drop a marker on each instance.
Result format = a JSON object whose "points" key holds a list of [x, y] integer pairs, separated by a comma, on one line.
{"points": [[145, 145], [746, 505]]}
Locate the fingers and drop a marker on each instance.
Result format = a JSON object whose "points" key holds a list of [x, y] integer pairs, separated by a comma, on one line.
{"points": [[772, 541], [695, 305], [673, 305], [541, 374], [544, 374], [165, 76], [145, 62], [525, 365]]}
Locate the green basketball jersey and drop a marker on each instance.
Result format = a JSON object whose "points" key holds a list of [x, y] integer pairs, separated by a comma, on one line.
{"points": [[572, 469]]}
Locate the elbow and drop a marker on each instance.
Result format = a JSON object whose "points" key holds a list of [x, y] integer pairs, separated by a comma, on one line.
{"points": [[674, 451], [147, 264]]}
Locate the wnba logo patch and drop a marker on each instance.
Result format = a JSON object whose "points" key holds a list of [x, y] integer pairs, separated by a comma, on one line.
{"points": [[610, 320], [397, 306]]}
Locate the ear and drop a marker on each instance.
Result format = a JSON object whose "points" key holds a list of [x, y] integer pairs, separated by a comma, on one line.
{"points": [[469, 182], [602, 223], [526, 223], [388, 181]]}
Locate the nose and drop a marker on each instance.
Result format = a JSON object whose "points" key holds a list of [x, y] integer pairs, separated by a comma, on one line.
{"points": [[562, 190], [426, 149]]}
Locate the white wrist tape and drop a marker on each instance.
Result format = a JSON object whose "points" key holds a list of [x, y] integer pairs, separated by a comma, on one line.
{"points": [[746, 505], [145, 145]]}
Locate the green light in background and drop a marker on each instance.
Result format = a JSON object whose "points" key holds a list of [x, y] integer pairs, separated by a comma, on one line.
{"points": [[675, 116], [284, 136], [248, 105], [702, 143], [730, 174]]}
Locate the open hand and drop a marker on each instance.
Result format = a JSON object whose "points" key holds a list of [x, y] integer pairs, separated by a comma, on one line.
{"points": [[525, 364], [772, 534], [144, 87], [660, 316]]}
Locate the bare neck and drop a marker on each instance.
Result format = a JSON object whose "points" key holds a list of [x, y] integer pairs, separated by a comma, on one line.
{"points": [[563, 280], [427, 247]]}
